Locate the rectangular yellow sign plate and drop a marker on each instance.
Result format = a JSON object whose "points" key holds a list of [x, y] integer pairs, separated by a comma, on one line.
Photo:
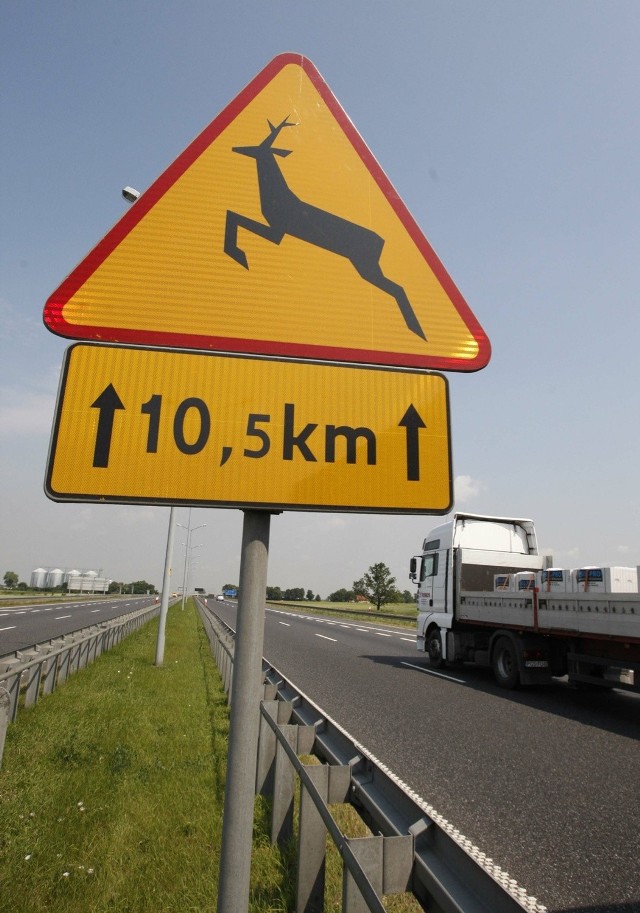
{"points": [[167, 427]]}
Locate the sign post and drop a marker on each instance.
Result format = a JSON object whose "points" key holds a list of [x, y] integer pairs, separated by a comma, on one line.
{"points": [[237, 825]]}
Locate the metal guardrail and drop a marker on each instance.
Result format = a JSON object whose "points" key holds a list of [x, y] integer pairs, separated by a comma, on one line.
{"points": [[38, 670], [413, 848]]}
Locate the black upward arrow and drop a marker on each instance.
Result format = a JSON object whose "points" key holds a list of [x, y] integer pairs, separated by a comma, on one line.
{"points": [[107, 403], [412, 422]]}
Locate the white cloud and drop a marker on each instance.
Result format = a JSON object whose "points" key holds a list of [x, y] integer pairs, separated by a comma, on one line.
{"points": [[467, 489]]}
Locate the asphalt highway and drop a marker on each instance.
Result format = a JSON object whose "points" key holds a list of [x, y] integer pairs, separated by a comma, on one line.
{"points": [[24, 625], [545, 781]]}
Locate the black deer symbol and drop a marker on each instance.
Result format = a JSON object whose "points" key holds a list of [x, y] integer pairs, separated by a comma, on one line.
{"points": [[287, 214]]}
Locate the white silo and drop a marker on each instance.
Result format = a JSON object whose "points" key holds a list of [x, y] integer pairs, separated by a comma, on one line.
{"points": [[71, 579], [38, 578], [55, 577]]}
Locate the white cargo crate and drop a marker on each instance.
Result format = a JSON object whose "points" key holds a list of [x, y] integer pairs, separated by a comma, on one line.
{"points": [[525, 580], [555, 580], [604, 580], [503, 583]]}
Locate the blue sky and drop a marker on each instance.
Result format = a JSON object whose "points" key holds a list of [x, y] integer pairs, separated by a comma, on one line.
{"points": [[510, 130]]}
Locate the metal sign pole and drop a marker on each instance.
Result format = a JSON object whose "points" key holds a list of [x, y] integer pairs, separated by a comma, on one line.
{"points": [[237, 824]]}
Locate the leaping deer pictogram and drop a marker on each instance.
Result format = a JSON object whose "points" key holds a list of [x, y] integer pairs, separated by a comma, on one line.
{"points": [[287, 214]]}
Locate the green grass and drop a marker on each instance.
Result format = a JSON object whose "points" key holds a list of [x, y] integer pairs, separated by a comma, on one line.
{"points": [[360, 611], [111, 791]]}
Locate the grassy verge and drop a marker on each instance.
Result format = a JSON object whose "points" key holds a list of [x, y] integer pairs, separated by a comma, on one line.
{"points": [[365, 613], [111, 789]]}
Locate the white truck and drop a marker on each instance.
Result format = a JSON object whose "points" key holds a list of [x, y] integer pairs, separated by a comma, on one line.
{"points": [[525, 636]]}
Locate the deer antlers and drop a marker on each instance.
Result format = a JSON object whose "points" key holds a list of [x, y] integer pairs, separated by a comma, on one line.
{"points": [[273, 131]]}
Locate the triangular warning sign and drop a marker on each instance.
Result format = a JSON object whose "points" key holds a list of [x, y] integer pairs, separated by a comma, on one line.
{"points": [[277, 233]]}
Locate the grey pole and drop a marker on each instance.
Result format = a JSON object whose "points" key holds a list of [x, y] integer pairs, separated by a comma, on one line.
{"points": [[237, 824], [166, 580]]}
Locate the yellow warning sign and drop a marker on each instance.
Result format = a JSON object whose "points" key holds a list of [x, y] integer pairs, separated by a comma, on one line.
{"points": [[276, 233], [163, 427]]}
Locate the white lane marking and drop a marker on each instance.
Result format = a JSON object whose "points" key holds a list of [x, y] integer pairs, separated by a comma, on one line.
{"points": [[61, 617], [34, 611], [324, 637], [10, 628], [449, 678], [285, 623], [380, 634], [93, 611], [409, 640]]}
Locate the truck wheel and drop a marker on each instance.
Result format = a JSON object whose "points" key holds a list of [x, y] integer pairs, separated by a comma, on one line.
{"points": [[434, 649], [504, 663]]}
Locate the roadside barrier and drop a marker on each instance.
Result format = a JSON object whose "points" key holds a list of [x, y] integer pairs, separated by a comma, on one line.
{"points": [[413, 848], [38, 670]]}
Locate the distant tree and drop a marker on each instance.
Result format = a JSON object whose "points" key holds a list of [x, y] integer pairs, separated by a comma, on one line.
{"points": [[310, 596], [295, 594], [140, 587], [318, 597], [11, 579], [274, 593], [360, 588], [377, 585], [341, 595], [22, 585]]}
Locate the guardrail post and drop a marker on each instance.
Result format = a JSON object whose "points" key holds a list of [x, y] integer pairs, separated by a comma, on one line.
{"points": [[312, 843], [63, 666], [13, 687], [93, 648], [266, 749], [83, 654], [227, 676], [74, 656], [284, 783], [368, 851], [33, 685], [5, 703], [387, 863], [49, 681]]}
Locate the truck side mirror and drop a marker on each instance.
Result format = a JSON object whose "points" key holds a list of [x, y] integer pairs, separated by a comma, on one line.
{"points": [[413, 568]]}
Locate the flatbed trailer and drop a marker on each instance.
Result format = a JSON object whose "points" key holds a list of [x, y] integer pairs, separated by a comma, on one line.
{"points": [[525, 637]]}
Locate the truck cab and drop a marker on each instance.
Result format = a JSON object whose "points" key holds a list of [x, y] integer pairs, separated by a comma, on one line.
{"points": [[465, 555]]}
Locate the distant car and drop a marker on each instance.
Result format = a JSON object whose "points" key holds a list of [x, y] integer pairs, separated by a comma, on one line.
{"points": [[220, 598]]}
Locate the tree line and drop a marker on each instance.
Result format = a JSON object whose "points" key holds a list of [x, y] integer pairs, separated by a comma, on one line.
{"points": [[376, 586]]}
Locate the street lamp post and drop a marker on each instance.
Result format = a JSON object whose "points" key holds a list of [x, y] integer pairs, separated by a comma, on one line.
{"points": [[166, 580], [188, 546]]}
